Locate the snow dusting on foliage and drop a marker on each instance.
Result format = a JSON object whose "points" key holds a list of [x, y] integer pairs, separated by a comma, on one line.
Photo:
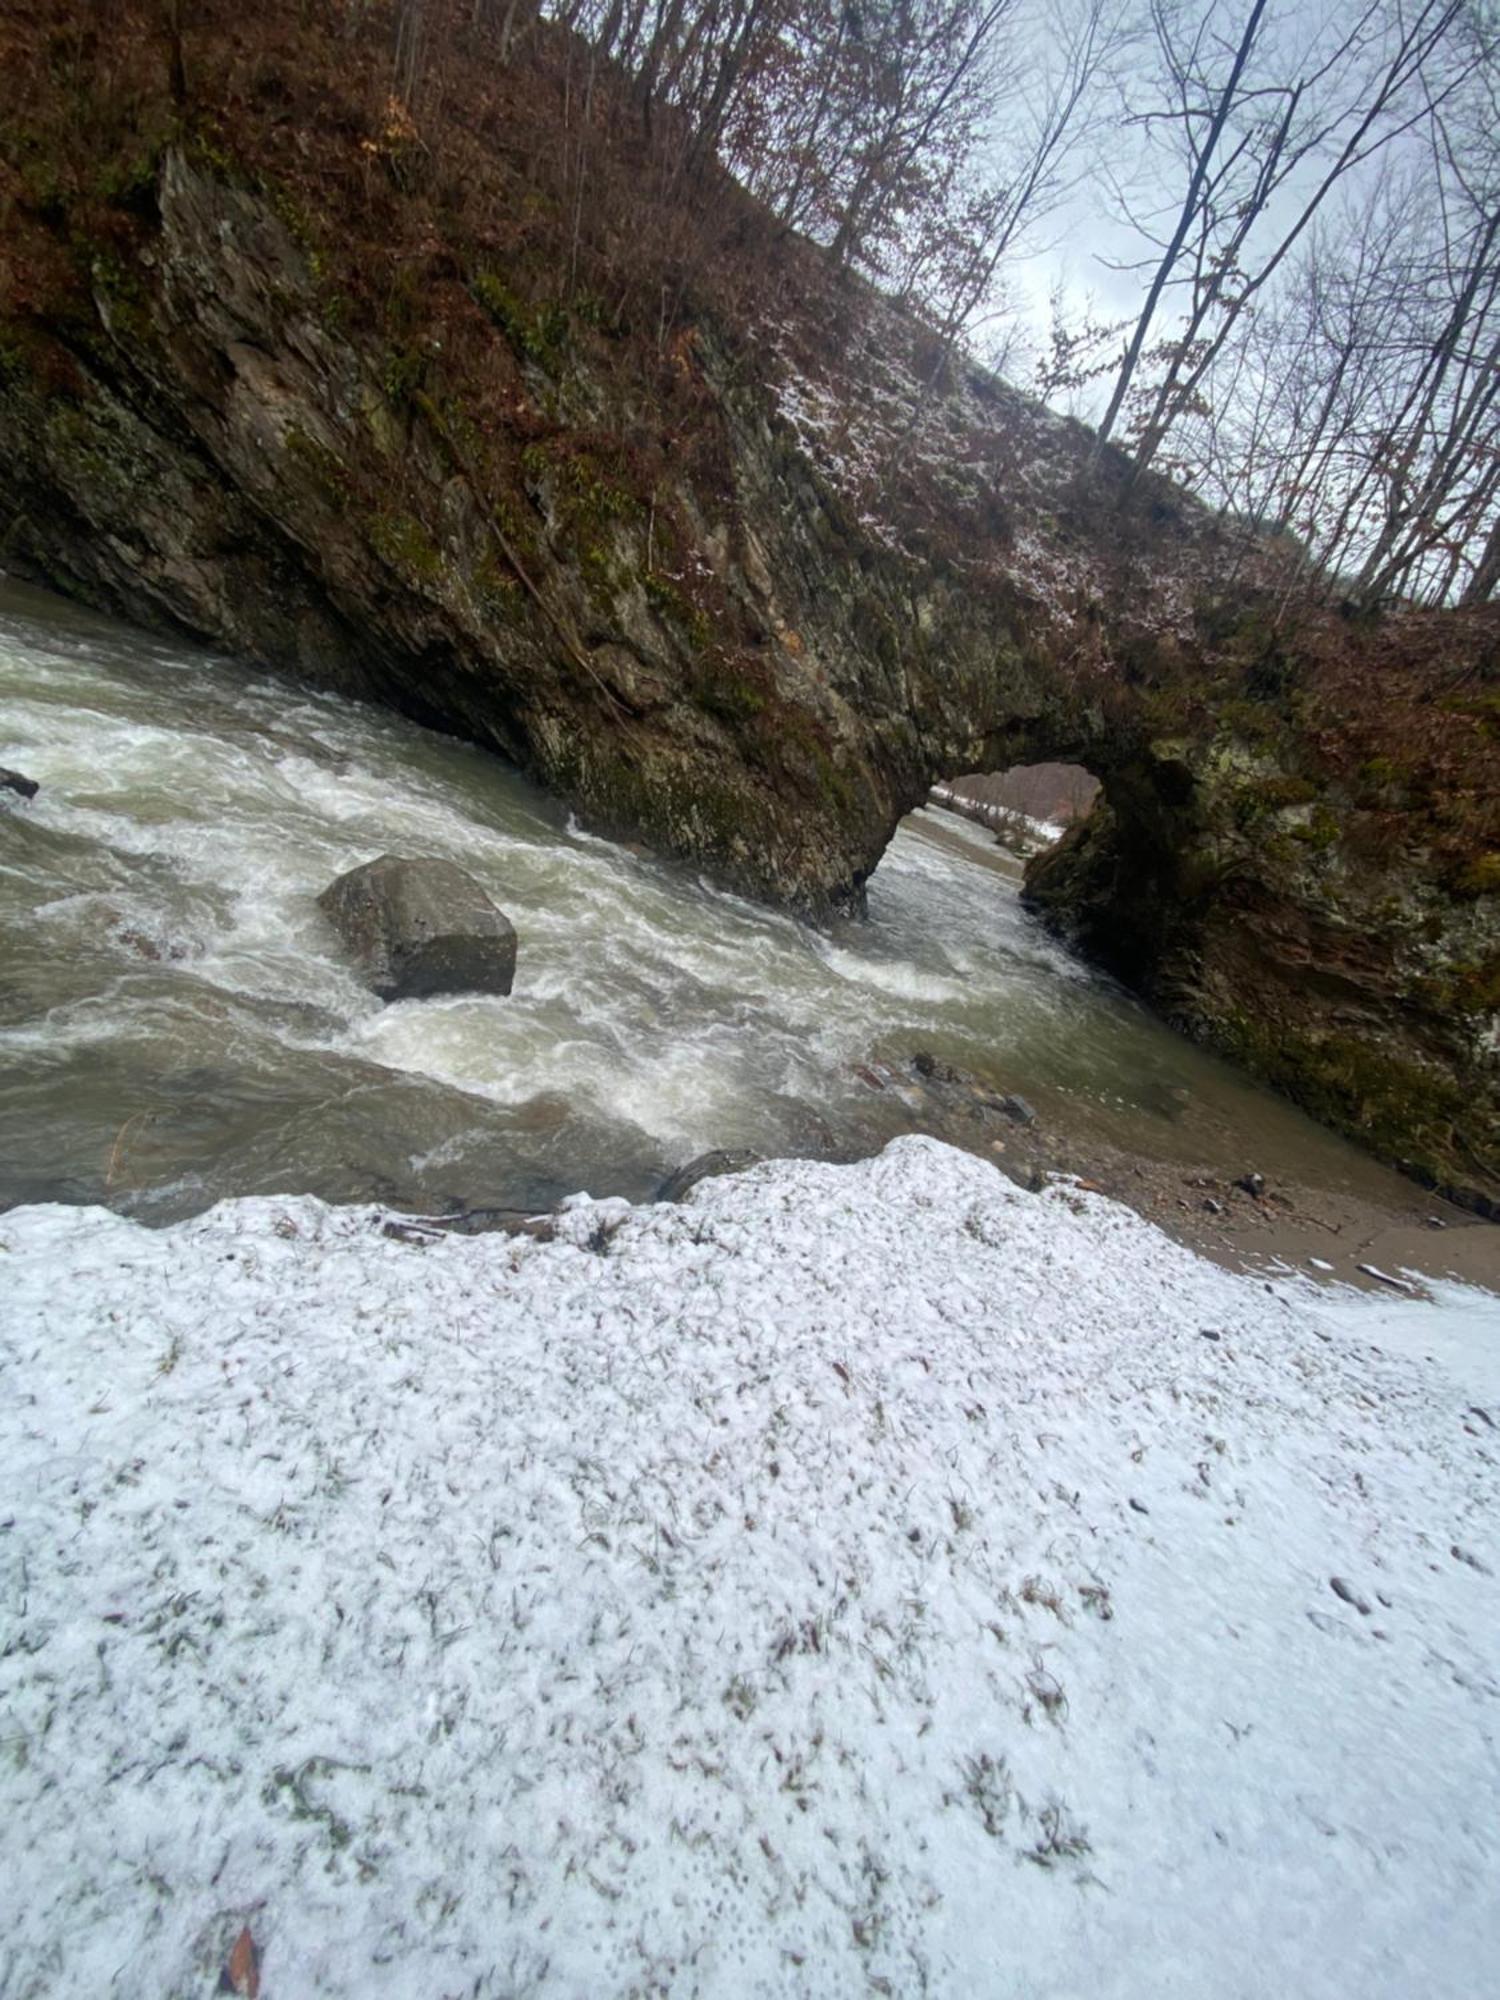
{"points": [[930, 451], [857, 1579]]}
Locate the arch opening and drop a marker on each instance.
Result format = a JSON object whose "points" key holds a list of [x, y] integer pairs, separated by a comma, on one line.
{"points": [[1028, 807]]}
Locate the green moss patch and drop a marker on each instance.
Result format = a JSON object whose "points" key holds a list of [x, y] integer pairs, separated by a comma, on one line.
{"points": [[1479, 876]]}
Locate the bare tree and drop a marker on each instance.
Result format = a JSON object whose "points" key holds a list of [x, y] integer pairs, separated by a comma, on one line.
{"points": [[1034, 173], [1268, 126], [1441, 453], [867, 115]]}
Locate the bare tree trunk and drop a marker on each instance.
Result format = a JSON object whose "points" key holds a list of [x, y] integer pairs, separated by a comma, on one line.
{"points": [[1185, 220], [1482, 584]]}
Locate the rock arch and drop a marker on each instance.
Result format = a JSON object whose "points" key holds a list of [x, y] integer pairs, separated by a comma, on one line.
{"points": [[770, 697]]}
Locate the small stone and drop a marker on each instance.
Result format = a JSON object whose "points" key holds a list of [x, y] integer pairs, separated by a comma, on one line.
{"points": [[1212, 1207], [926, 1065], [1349, 1594], [1209, 1333], [1019, 1109], [1140, 1507], [1252, 1184]]}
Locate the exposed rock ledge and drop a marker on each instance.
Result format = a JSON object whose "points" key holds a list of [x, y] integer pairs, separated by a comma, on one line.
{"points": [[201, 447]]}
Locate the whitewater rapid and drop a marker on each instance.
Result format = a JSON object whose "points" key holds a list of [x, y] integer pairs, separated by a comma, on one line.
{"points": [[177, 1023]]}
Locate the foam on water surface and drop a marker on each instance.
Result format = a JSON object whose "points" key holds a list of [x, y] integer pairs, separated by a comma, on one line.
{"points": [[169, 975]]}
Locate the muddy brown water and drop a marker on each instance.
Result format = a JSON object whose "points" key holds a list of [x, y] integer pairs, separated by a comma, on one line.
{"points": [[177, 1024]]}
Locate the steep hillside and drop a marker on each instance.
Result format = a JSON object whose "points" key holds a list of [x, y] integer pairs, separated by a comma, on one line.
{"points": [[599, 470]]}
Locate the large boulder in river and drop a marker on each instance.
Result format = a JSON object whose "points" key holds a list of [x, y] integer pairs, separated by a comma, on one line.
{"points": [[421, 927], [15, 781]]}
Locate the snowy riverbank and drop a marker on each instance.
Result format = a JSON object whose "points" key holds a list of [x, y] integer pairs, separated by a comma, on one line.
{"points": [[859, 1578]]}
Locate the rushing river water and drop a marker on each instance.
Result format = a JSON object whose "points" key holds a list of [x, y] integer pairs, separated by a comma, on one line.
{"points": [[177, 1024]]}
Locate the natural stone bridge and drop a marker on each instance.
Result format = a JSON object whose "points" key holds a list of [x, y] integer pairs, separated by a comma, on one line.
{"points": [[678, 610]]}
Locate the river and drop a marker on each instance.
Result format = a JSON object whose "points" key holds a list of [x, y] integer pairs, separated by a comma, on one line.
{"points": [[177, 1024]]}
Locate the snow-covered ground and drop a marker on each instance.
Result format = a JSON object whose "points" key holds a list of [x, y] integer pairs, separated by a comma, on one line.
{"points": [[858, 1579], [1045, 832]]}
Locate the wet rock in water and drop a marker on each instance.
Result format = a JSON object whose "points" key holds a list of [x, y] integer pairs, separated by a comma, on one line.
{"points": [[416, 928], [931, 1070], [150, 948], [706, 1167], [14, 781], [951, 1101], [1252, 1184]]}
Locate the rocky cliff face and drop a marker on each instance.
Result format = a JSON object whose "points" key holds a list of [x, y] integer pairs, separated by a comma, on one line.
{"points": [[1299, 933], [721, 665], [685, 597]]}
